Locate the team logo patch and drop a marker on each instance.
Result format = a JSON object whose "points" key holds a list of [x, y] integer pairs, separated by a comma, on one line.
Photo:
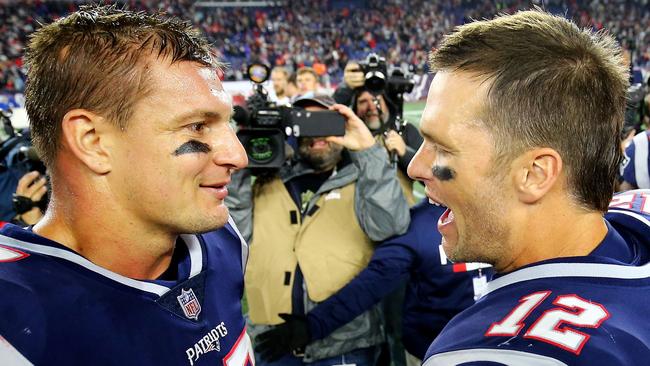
{"points": [[11, 255], [189, 303]]}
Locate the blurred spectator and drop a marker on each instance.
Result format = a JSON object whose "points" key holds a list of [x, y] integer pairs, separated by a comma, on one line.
{"points": [[327, 34], [307, 80], [280, 80], [292, 87]]}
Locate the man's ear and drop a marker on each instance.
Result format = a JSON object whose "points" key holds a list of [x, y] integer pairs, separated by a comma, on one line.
{"points": [[538, 171], [84, 133]]}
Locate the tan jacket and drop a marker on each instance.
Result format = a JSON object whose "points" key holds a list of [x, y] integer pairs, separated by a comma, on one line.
{"points": [[329, 245]]}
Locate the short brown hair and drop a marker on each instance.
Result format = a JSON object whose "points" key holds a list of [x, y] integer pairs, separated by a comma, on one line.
{"points": [[552, 85], [96, 59], [282, 70], [307, 70]]}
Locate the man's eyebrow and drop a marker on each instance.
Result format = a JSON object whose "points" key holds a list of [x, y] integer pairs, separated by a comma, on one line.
{"points": [[200, 115], [432, 138]]}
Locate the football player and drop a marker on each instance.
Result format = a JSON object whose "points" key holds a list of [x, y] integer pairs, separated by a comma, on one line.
{"points": [[521, 130], [132, 122]]}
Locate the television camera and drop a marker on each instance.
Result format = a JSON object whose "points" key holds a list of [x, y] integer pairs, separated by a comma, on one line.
{"points": [[18, 155], [264, 126], [393, 86]]}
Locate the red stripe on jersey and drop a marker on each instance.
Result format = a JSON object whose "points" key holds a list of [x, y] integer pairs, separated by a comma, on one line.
{"points": [[460, 267]]}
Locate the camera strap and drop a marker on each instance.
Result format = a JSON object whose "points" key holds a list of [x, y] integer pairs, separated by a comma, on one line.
{"points": [[22, 204]]}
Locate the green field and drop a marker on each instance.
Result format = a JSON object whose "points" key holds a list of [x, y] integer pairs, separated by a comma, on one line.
{"points": [[413, 111]]}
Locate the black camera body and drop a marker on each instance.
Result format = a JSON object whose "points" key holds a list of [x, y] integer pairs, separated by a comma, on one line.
{"points": [[379, 80], [265, 126], [16, 150], [18, 156], [634, 109]]}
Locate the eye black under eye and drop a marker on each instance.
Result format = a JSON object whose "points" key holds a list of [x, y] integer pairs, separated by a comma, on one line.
{"points": [[443, 173], [192, 147]]}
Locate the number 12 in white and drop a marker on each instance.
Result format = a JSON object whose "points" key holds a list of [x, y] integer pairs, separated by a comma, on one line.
{"points": [[553, 325]]}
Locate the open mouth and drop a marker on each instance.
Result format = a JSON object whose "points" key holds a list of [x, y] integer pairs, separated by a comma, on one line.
{"points": [[446, 218], [319, 144]]}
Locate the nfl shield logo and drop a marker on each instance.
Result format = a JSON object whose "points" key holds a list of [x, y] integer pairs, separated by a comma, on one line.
{"points": [[190, 304]]}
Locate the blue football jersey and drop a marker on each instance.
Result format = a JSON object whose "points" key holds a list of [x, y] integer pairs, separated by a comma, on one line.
{"points": [[637, 161], [58, 308], [590, 310]]}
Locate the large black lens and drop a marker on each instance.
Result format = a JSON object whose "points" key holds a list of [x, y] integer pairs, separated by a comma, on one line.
{"points": [[375, 82], [261, 149]]}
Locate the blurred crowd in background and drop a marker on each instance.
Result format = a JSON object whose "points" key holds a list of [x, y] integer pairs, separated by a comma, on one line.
{"points": [[326, 34]]}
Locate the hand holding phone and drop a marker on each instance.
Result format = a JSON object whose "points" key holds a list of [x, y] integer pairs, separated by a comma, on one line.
{"points": [[357, 135]]}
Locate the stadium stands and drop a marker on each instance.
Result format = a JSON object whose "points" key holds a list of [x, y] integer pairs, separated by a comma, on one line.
{"points": [[327, 32]]}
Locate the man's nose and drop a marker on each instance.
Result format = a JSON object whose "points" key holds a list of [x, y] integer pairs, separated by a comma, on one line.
{"points": [[420, 166], [231, 152]]}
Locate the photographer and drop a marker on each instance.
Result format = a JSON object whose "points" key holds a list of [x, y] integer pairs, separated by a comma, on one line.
{"points": [[311, 229], [379, 103], [352, 78], [377, 98]]}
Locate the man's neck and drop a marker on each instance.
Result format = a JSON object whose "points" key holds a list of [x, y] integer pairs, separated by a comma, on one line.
{"points": [[114, 243], [569, 233]]}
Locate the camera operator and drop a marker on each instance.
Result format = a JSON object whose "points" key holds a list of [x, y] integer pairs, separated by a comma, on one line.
{"points": [[380, 117], [311, 229], [377, 98]]}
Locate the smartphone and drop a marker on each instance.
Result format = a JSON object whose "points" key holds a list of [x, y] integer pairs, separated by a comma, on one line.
{"points": [[316, 123]]}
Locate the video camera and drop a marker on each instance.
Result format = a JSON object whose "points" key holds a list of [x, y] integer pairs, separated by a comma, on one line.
{"points": [[635, 108], [392, 87], [16, 150], [18, 156], [265, 126], [377, 79]]}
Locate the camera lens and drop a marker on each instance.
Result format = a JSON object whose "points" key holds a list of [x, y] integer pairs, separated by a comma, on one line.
{"points": [[261, 149], [375, 81]]}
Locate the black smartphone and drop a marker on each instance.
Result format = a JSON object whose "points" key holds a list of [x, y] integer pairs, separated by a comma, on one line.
{"points": [[316, 123]]}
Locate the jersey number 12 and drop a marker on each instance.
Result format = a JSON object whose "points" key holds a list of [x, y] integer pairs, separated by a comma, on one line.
{"points": [[553, 326]]}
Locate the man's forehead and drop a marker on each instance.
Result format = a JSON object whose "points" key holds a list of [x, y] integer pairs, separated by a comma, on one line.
{"points": [[366, 95], [215, 86], [455, 101]]}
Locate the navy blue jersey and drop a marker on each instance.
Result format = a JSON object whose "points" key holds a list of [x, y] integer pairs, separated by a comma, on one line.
{"points": [[590, 310], [60, 309], [637, 161], [436, 291]]}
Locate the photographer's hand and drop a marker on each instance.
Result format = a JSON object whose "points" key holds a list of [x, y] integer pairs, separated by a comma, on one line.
{"points": [[357, 136], [395, 142], [32, 187], [283, 338], [353, 76]]}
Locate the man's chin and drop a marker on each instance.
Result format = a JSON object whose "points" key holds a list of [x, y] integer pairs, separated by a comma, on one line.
{"points": [[214, 221], [374, 125]]}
